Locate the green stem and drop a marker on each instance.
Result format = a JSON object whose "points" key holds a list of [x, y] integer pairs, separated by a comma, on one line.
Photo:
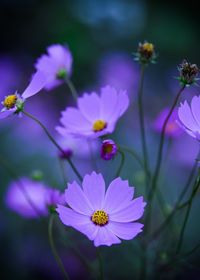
{"points": [[101, 272], [159, 159], [121, 164], [181, 237], [55, 143], [133, 154], [71, 87], [142, 125], [177, 205], [53, 248]]}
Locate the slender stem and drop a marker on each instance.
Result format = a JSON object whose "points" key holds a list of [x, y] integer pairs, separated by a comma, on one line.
{"points": [[181, 237], [101, 272], [121, 163], [159, 159], [192, 251], [71, 87], [53, 248], [142, 125], [158, 231], [133, 154], [55, 143]]}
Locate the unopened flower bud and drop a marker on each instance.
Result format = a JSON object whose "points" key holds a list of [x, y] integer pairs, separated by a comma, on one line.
{"points": [[65, 154], [108, 149], [188, 73]]}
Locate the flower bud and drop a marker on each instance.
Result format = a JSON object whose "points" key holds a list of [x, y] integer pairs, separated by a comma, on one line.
{"points": [[188, 73], [108, 149], [145, 53]]}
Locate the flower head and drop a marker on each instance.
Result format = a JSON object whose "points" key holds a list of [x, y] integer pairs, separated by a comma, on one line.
{"points": [[108, 149], [188, 73], [95, 115], [14, 103], [30, 198], [145, 53], [189, 117], [55, 65], [172, 129], [104, 217]]}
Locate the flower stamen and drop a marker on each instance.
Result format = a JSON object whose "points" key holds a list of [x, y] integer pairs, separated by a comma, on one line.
{"points": [[99, 125], [100, 218], [10, 101]]}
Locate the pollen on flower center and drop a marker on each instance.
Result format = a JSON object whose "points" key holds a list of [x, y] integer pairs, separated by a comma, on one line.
{"points": [[99, 125], [148, 47], [10, 101], [100, 218]]}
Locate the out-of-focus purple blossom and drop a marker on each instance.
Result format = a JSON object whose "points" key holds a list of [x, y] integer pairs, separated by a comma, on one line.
{"points": [[172, 129], [78, 147], [189, 117], [103, 216], [95, 115], [31, 199], [119, 71], [14, 103], [108, 149], [55, 65]]}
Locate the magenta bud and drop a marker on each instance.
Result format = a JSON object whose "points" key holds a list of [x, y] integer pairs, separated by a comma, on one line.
{"points": [[65, 154], [108, 149]]}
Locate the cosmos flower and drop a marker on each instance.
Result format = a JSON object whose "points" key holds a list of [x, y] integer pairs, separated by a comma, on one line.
{"points": [[104, 217], [189, 117], [172, 130], [55, 65], [14, 103], [31, 199], [108, 149], [95, 115]]}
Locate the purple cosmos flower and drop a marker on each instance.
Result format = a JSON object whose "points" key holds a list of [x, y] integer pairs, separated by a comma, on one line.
{"points": [[103, 216], [108, 149], [31, 199], [95, 115], [189, 117], [13, 104], [55, 65], [172, 129]]}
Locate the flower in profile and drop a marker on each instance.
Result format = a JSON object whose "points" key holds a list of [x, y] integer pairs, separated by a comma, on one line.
{"points": [[56, 65], [104, 217], [188, 73], [172, 130], [189, 117], [145, 53], [108, 149], [30, 198], [14, 103], [95, 115]]}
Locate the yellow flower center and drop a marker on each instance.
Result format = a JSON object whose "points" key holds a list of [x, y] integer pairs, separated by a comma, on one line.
{"points": [[148, 47], [99, 125], [10, 101], [108, 148], [100, 218]]}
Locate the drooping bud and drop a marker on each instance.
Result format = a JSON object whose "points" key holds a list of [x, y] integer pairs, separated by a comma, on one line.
{"points": [[65, 154], [108, 149]]}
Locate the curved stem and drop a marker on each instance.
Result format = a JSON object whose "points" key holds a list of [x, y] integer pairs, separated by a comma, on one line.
{"points": [[133, 154], [177, 205], [180, 241], [55, 143], [53, 248], [121, 163], [71, 87], [101, 272], [142, 125], [159, 159]]}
